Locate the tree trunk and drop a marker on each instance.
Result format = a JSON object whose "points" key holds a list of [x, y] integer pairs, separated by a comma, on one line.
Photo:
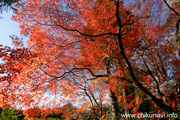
{"points": [[126, 111], [115, 111]]}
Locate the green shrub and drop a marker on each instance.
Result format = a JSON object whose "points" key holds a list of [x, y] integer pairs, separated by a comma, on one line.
{"points": [[9, 114]]}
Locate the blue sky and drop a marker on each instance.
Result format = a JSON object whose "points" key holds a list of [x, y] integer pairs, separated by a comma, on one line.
{"points": [[7, 28]]}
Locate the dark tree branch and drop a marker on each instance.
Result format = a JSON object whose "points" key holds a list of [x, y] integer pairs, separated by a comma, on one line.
{"points": [[135, 21], [75, 30], [171, 8], [72, 71], [85, 90], [150, 72], [177, 23]]}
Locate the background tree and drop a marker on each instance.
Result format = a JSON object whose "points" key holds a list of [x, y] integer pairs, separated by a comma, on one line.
{"points": [[34, 112]]}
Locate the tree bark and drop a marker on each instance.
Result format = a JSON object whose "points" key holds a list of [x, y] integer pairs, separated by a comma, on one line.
{"points": [[115, 111], [126, 111]]}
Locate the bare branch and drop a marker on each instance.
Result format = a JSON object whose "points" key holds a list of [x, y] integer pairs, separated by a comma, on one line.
{"points": [[135, 21], [74, 70]]}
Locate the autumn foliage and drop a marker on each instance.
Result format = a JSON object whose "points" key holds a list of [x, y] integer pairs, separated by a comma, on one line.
{"points": [[97, 52]]}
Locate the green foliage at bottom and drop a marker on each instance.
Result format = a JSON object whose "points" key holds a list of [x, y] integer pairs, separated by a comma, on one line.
{"points": [[9, 114]]}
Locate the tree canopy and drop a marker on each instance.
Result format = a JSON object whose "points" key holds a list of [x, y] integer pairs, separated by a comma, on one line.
{"points": [[85, 51]]}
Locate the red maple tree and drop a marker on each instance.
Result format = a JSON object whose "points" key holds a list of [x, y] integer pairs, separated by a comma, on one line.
{"points": [[82, 48]]}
